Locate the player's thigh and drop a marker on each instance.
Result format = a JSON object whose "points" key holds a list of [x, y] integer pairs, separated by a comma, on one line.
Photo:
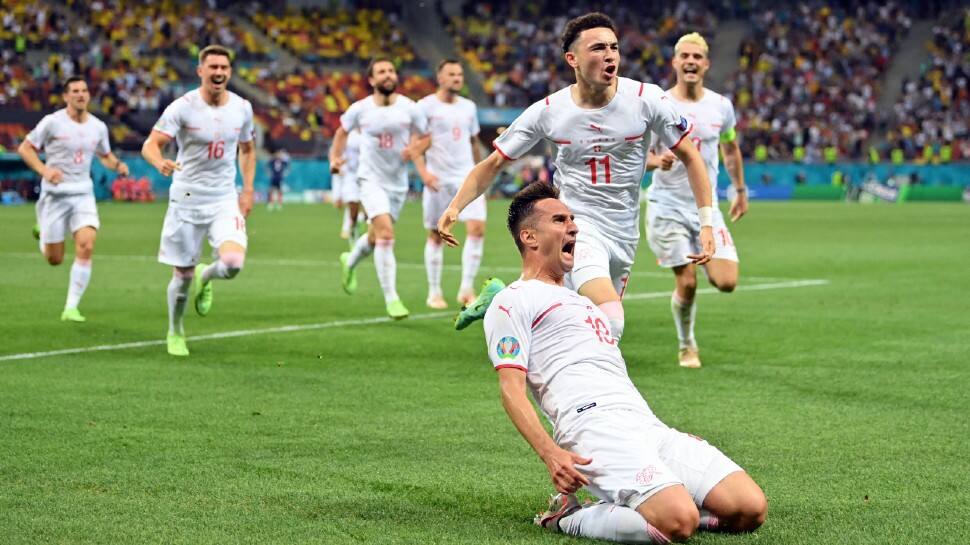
{"points": [[53, 214], [723, 273], [181, 241], [669, 237], [477, 210], [228, 226], [434, 203], [84, 213], [697, 463], [626, 466], [724, 247]]}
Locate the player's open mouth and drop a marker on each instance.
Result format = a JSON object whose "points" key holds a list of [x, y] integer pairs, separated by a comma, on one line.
{"points": [[690, 69], [568, 247], [611, 69], [218, 80]]}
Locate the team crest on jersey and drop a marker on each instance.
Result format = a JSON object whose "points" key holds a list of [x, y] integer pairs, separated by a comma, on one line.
{"points": [[682, 124], [507, 348]]}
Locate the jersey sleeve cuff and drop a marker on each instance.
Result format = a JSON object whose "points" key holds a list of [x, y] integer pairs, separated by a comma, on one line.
{"points": [[156, 129], [691, 128], [502, 153], [511, 366]]}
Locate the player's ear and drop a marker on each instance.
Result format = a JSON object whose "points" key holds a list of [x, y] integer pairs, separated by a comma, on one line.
{"points": [[528, 238], [571, 59]]}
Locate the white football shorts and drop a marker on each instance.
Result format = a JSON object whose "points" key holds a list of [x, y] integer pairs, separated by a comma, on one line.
{"points": [[59, 215], [436, 202], [378, 199], [185, 228], [673, 232], [599, 256]]}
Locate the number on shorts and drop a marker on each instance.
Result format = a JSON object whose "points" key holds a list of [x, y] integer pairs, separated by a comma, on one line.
{"points": [[78, 157], [697, 142], [385, 140], [726, 240], [601, 330], [240, 223], [217, 149], [605, 161]]}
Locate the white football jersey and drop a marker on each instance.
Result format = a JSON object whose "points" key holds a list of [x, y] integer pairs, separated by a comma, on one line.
{"points": [[386, 132], [711, 116], [208, 139], [452, 125], [70, 147], [563, 343], [601, 153]]}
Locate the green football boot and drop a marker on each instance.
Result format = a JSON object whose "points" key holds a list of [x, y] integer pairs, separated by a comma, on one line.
{"points": [[203, 292], [72, 315], [176, 345], [348, 276], [476, 310], [397, 310], [36, 231]]}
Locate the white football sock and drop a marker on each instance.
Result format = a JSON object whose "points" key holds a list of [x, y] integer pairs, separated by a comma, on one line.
{"points": [[345, 227], [362, 248], [471, 259], [684, 315], [611, 522], [178, 296], [80, 276], [433, 262], [386, 268]]}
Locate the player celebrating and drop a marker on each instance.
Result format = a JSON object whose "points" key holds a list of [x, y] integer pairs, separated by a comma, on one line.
{"points": [[454, 150], [602, 126], [346, 190], [656, 484], [390, 124], [672, 223], [71, 137], [209, 124]]}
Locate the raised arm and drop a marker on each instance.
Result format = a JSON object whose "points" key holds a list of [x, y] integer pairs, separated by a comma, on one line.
{"points": [[476, 183], [560, 463]]}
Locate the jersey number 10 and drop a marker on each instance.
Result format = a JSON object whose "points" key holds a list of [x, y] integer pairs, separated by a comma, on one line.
{"points": [[593, 162]]}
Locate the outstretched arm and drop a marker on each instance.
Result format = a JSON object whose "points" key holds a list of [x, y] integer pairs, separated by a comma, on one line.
{"points": [[476, 183], [560, 463]]}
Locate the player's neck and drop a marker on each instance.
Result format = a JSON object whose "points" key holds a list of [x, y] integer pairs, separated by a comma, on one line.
{"points": [[213, 98], [384, 100], [78, 116], [445, 95], [690, 92], [537, 271], [589, 96]]}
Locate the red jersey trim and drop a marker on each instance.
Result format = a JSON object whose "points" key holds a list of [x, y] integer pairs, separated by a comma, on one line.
{"points": [[502, 153], [640, 92], [32, 144], [562, 141], [511, 366], [163, 132], [682, 137], [547, 101], [637, 137], [544, 314]]}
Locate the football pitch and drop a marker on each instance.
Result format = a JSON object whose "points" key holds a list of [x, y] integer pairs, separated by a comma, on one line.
{"points": [[837, 375]]}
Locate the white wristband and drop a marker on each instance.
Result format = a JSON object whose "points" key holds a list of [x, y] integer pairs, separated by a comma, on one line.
{"points": [[706, 215]]}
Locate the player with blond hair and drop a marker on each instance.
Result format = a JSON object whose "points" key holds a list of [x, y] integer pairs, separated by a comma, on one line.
{"points": [[71, 137], [209, 124], [673, 226]]}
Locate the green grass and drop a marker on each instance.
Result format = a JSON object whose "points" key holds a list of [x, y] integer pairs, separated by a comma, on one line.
{"points": [[847, 402]]}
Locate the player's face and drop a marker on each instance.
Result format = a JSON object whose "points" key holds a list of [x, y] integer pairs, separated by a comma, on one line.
{"points": [[215, 71], [555, 233], [691, 63], [77, 95], [383, 77], [451, 77], [596, 56]]}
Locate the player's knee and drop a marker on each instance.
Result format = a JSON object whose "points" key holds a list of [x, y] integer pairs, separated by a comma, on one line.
{"points": [[725, 286], [233, 262], [679, 523], [184, 273], [752, 511], [687, 285], [85, 248], [54, 259]]}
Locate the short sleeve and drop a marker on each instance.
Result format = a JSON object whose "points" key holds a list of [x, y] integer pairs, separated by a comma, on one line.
{"points": [[104, 144], [508, 333], [351, 118], [475, 127], [38, 137], [419, 120], [247, 133], [170, 122], [523, 134], [664, 119]]}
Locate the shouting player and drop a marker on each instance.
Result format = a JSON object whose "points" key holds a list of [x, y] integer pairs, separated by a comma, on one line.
{"points": [[673, 225], [656, 484], [390, 124], [71, 137], [454, 150], [602, 126], [211, 126]]}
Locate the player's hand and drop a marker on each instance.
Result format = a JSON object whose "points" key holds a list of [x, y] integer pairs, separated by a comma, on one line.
{"points": [[246, 202], [430, 181], [53, 175], [167, 167], [667, 160], [562, 468], [707, 247], [739, 207], [337, 164], [445, 223], [122, 169]]}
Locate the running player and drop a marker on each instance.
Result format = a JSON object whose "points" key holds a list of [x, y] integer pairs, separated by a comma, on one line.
{"points": [[672, 223], [602, 127], [71, 137], [209, 124], [346, 190], [390, 124], [454, 150], [656, 484]]}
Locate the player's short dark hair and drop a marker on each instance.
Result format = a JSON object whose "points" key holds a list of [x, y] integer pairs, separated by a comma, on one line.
{"points": [[524, 203], [215, 50], [584, 22], [66, 85], [445, 63], [373, 63]]}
